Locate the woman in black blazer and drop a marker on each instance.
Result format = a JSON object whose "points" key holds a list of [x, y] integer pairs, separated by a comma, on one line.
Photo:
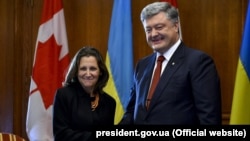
{"points": [[82, 104]]}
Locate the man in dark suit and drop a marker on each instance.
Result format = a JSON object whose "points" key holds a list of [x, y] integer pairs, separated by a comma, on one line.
{"points": [[188, 92]]}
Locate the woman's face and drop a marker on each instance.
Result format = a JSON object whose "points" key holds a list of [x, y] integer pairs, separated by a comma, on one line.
{"points": [[88, 73]]}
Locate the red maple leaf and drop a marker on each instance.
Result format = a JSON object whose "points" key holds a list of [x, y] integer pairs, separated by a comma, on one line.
{"points": [[48, 71]]}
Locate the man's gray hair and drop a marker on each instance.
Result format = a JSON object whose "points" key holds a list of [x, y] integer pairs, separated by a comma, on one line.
{"points": [[157, 7]]}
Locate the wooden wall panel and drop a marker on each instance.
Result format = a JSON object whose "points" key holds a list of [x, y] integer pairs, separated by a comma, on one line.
{"points": [[209, 25], [88, 24], [23, 53], [6, 65]]}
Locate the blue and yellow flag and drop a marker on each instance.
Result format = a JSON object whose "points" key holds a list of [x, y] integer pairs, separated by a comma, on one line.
{"points": [[119, 58], [240, 113]]}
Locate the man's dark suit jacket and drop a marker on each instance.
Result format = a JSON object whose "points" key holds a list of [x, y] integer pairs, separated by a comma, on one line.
{"points": [[188, 91]]}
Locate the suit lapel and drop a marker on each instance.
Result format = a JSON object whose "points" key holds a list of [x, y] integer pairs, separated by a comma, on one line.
{"points": [[173, 64], [146, 81]]}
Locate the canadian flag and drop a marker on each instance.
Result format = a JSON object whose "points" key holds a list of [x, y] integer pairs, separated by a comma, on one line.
{"points": [[51, 61]]}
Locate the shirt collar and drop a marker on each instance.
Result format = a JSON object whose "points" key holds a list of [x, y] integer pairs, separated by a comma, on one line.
{"points": [[168, 54]]}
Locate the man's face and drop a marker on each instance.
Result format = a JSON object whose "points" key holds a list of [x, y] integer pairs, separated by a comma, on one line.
{"points": [[161, 33]]}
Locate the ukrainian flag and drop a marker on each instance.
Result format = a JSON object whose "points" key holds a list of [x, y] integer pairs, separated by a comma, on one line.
{"points": [[119, 58], [240, 113]]}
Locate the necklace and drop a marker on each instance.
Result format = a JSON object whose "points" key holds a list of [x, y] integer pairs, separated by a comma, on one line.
{"points": [[95, 102]]}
